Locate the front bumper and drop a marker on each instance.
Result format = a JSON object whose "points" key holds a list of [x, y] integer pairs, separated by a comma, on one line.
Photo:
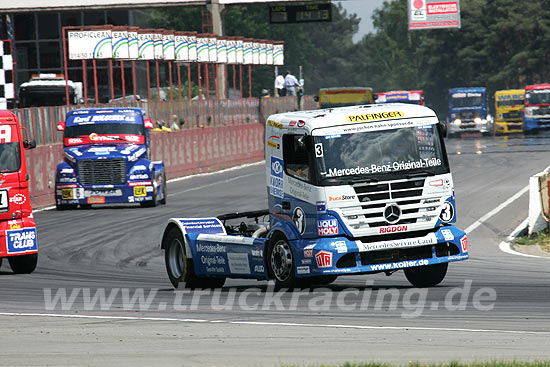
{"points": [[468, 127], [339, 255], [506, 127], [132, 192], [18, 237]]}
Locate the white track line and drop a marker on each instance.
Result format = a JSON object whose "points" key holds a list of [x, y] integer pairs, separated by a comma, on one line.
{"points": [[177, 179], [505, 246], [267, 323], [483, 219]]}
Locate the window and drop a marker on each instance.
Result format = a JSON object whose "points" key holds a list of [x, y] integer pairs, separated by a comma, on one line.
{"points": [[297, 157]]}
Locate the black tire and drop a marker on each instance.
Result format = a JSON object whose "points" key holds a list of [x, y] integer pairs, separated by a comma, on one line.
{"points": [[164, 191], [426, 276], [280, 262], [64, 206], [1, 258], [23, 264], [180, 268]]}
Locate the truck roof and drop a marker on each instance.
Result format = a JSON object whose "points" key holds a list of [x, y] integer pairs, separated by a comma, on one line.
{"points": [[6, 115], [467, 89], [330, 117], [538, 86], [121, 112]]}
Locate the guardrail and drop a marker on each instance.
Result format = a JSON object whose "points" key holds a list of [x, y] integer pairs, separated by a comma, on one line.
{"points": [[41, 122]]}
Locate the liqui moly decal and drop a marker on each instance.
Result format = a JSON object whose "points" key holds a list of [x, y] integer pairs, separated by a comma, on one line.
{"points": [[324, 259], [327, 227]]}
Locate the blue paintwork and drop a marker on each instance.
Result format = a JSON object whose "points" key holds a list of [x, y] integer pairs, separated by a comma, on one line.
{"points": [[482, 109]]}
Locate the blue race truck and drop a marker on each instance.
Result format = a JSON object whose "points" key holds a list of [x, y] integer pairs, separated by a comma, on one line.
{"points": [[468, 111], [351, 190], [107, 160]]}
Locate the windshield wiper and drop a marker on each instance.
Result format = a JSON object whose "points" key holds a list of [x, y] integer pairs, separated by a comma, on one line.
{"points": [[420, 173]]}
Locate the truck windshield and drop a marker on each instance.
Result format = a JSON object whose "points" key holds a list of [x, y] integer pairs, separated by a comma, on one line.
{"points": [[466, 100], [105, 132], [541, 96], [10, 157], [510, 103], [377, 155]]}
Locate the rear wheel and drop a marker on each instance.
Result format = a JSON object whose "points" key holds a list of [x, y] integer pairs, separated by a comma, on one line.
{"points": [[164, 193], [180, 267], [23, 264], [426, 276]]}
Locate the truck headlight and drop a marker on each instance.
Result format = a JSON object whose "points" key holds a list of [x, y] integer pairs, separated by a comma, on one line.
{"points": [[477, 120], [528, 112], [457, 122]]}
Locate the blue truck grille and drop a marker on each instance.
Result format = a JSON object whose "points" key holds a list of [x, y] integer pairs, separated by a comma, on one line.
{"points": [[102, 171]]}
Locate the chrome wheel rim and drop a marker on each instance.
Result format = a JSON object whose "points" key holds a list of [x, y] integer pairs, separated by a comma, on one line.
{"points": [[281, 261]]}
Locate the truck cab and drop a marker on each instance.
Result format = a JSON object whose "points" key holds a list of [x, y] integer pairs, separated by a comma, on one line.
{"points": [[509, 111], [351, 190], [403, 96], [18, 241], [468, 111], [49, 90], [107, 160], [537, 108]]}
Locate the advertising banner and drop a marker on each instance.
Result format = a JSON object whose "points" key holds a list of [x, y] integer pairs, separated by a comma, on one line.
{"points": [[146, 45], [279, 53], [263, 53], [231, 51], [240, 50], [192, 45], [433, 14], [248, 51], [120, 43], [269, 53], [222, 50], [168, 45], [158, 46], [255, 52], [181, 47], [133, 46], [212, 48], [92, 44], [202, 48]]}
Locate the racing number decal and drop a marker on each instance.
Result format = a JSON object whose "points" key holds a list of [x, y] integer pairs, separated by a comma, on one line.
{"points": [[318, 150], [66, 194], [139, 191], [4, 203], [447, 213]]}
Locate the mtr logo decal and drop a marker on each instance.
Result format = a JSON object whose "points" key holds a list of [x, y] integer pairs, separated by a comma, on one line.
{"points": [[324, 259]]}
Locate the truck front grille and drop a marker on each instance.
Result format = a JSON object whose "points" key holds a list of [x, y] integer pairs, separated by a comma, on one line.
{"points": [[102, 171], [512, 115]]}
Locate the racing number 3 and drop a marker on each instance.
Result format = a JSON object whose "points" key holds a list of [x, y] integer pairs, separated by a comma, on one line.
{"points": [[139, 191]]}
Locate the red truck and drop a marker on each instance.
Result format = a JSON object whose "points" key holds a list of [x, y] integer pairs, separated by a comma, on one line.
{"points": [[18, 242]]}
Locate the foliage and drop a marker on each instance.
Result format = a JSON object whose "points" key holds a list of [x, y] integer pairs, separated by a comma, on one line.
{"points": [[501, 44]]}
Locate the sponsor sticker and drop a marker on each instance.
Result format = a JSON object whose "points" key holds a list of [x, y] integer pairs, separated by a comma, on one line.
{"points": [[139, 191], [375, 116], [429, 239], [259, 269], [208, 225], [102, 192], [66, 194], [302, 270], [447, 234], [340, 246], [238, 263], [18, 199], [321, 207], [96, 200], [276, 187], [21, 240], [327, 227], [274, 142], [299, 219], [14, 224], [306, 261], [308, 251], [464, 244], [274, 124], [393, 229], [324, 259]]}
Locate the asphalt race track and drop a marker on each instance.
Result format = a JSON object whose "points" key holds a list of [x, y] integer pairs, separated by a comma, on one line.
{"points": [[121, 308]]}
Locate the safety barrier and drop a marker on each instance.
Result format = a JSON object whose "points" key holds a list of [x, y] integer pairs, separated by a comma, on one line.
{"points": [[41, 122]]}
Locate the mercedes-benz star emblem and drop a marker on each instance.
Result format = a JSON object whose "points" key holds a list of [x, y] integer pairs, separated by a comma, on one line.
{"points": [[392, 213]]}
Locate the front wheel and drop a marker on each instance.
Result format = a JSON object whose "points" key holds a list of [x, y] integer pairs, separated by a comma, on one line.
{"points": [[180, 268], [280, 262], [426, 276], [23, 264]]}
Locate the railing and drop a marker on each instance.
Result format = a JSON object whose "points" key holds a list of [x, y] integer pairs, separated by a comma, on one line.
{"points": [[41, 122]]}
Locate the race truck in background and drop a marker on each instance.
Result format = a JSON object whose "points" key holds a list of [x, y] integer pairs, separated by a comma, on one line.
{"points": [[344, 96], [468, 111], [351, 190], [509, 111], [107, 160], [49, 90], [537, 108], [18, 241], [404, 96]]}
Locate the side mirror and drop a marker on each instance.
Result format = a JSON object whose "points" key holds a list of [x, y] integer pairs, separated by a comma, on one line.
{"points": [[316, 98], [148, 123], [443, 128], [29, 144], [60, 125]]}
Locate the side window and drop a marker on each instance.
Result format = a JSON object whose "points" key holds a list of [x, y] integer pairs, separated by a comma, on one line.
{"points": [[296, 157]]}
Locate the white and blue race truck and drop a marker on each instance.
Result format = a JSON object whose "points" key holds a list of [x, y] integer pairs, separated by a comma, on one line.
{"points": [[351, 190], [107, 160]]}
